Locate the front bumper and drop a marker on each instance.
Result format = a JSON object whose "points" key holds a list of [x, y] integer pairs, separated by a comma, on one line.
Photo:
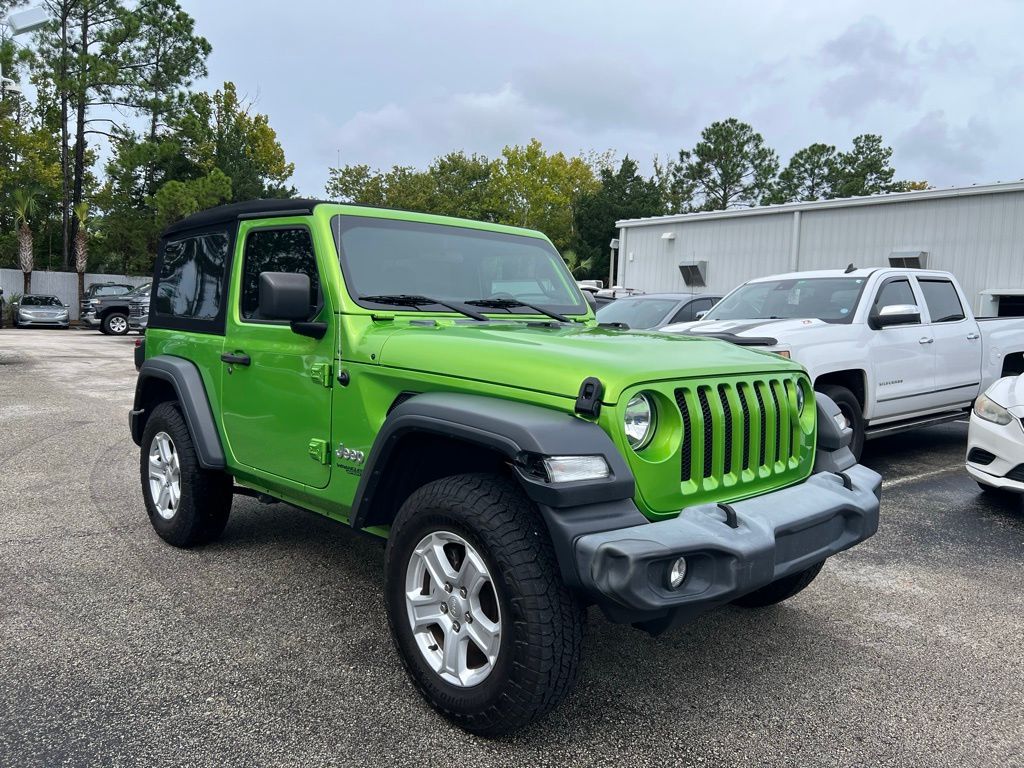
{"points": [[1005, 443], [44, 322], [776, 534], [89, 318]]}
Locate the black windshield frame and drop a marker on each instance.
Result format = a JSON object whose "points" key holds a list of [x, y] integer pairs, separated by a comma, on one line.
{"points": [[340, 223]]}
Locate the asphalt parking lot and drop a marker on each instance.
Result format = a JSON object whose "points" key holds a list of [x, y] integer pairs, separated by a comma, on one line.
{"points": [[271, 647]]}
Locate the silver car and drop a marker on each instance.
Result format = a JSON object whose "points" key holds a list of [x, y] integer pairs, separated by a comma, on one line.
{"points": [[36, 309], [650, 311]]}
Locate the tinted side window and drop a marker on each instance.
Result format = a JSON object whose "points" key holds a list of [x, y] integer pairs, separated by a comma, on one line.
{"points": [[684, 315], [942, 300], [191, 277], [277, 250], [701, 305], [895, 292]]}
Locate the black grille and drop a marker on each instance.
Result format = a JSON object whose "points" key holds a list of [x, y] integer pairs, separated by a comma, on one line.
{"points": [[1017, 473], [727, 426], [980, 456], [709, 437], [686, 460]]}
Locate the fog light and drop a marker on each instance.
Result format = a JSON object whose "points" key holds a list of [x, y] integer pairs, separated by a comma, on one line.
{"points": [[677, 573], [566, 469]]}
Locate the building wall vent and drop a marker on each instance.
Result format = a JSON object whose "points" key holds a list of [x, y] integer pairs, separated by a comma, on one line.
{"points": [[909, 259], [695, 273]]}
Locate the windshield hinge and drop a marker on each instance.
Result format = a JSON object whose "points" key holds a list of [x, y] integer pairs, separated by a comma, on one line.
{"points": [[588, 401], [321, 374], [319, 450]]}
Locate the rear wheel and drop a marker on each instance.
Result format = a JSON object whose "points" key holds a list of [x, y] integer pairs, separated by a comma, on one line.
{"points": [[781, 589], [187, 505], [849, 405], [115, 324], [486, 629]]}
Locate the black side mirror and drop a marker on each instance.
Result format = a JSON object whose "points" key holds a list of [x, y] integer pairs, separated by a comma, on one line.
{"points": [[284, 296], [896, 314]]}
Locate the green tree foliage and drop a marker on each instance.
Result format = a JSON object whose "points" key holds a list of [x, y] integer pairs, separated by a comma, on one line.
{"points": [[809, 175], [622, 194], [177, 199], [729, 167], [865, 170]]}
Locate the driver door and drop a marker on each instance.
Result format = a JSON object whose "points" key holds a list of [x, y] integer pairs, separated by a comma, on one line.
{"points": [[903, 361], [275, 382]]}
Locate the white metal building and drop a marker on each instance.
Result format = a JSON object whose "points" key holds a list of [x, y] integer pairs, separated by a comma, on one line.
{"points": [[976, 232]]}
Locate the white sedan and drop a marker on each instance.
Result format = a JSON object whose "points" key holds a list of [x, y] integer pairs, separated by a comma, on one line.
{"points": [[995, 440]]}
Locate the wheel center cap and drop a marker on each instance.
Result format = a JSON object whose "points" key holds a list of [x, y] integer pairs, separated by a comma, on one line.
{"points": [[455, 609]]}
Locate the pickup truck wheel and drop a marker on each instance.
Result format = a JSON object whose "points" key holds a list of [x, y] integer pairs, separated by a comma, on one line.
{"points": [[850, 407], [781, 589], [115, 324], [187, 504], [485, 627]]}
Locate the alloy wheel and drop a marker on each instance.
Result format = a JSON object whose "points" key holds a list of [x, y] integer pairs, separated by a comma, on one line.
{"points": [[164, 475]]}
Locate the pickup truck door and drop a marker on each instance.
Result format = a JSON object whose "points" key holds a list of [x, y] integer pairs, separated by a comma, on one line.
{"points": [[276, 383], [956, 341], [903, 360]]}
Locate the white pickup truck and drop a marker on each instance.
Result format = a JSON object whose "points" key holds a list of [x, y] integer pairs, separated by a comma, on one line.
{"points": [[895, 348]]}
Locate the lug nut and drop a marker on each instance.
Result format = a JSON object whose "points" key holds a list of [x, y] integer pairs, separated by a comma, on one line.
{"points": [[444, 608], [462, 592], [447, 587], [455, 626], [469, 617]]}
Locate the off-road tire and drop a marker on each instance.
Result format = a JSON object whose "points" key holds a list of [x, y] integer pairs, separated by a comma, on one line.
{"points": [[851, 409], [781, 589], [206, 495], [541, 620], [108, 319]]}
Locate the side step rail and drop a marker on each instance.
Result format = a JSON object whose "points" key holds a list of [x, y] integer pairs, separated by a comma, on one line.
{"points": [[884, 430]]}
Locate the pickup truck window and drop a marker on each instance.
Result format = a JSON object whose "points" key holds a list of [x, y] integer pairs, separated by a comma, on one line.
{"points": [[283, 249], [942, 300], [381, 257], [832, 299], [894, 292]]}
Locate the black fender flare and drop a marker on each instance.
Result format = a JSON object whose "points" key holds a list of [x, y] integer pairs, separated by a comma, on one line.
{"points": [[516, 431], [184, 378]]}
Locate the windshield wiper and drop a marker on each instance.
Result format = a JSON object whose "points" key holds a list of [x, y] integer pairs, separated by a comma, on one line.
{"points": [[412, 300], [507, 304]]}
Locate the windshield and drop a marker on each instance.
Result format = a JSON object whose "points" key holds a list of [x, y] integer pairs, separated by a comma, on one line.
{"points": [[385, 257], [832, 299], [41, 301], [636, 313], [142, 291]]}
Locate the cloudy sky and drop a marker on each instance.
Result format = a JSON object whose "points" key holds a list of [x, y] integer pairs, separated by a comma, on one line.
{"points": [[390, 82]]}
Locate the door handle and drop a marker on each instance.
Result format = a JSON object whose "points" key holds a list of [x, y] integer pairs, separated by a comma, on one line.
{"points": [[235, 358], [925, 340], [973, 336]]}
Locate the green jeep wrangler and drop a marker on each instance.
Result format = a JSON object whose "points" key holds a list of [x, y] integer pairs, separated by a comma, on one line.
{"points": [[444, 384]]}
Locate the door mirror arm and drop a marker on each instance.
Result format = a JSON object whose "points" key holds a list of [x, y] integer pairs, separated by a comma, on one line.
{"points": [[313, 330]]}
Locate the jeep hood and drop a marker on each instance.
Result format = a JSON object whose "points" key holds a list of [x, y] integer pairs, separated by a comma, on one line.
{"points": [[555, 359]]}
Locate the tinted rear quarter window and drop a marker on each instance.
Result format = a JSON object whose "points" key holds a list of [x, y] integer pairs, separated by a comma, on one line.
{"points": [[190, 282], [942, 300]]}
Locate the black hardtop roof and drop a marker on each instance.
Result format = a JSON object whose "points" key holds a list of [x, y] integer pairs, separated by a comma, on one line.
{"points": [[222, 214]]}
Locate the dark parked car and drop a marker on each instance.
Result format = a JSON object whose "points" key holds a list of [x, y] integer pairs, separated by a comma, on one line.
{"points": [[36, 309], [111, 312], [96, 293], [650, 311], [138, 308]]}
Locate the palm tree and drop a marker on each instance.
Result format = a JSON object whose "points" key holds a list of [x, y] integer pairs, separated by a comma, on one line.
{"points": [[81, 246], [25, 209]]}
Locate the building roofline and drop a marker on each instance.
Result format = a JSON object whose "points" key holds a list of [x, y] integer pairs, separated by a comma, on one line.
{"points": [[844, 202]]}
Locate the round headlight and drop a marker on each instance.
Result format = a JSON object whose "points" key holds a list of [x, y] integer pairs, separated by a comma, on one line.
{"points": [[800, 398], [639, 421]]}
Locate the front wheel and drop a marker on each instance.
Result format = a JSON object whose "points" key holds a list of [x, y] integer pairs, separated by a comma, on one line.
{"points": [[486, 629], [115, 324], [849, 405], [187, 505], [780, 589]]}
